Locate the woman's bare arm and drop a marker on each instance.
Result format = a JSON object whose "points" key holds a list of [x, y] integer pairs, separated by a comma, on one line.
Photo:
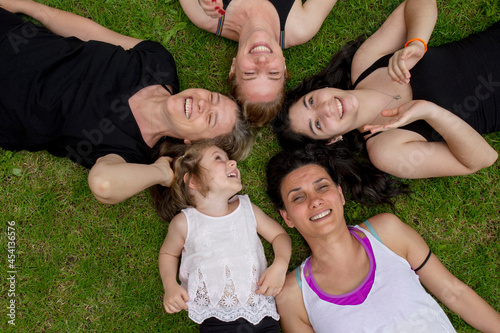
{"points": [[67, 24]]}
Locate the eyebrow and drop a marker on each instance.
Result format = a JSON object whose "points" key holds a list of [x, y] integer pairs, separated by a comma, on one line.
{"points": [[299, 188]]}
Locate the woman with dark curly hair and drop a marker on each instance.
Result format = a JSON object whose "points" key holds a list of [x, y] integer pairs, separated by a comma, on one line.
{"points": [[420, 112], [368, 277]]}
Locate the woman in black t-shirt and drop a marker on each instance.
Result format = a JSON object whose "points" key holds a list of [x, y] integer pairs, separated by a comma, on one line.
{"points": [[103, 99]]}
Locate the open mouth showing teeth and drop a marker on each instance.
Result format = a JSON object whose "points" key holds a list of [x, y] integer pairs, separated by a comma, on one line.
{"points": [[233, 174], [260, 49], [321, 215], [339, 107], [188, 103]]}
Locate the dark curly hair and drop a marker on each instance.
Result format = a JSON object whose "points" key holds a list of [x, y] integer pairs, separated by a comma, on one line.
{"points": [[364, 183]]}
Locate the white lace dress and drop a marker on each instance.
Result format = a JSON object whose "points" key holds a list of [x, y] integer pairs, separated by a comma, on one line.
{"points": [[221, 263]]}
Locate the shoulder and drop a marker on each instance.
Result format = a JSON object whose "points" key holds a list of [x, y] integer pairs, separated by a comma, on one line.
{"points": [[291, 306], [398, 236], [388, 227], [291, 291], [179, 224]]}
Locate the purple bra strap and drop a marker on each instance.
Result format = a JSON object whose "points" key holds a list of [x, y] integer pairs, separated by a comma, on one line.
{"points": [[354, 297]]}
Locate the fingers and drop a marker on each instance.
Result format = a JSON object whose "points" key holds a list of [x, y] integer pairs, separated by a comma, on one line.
{"points": [[268, 288], [176, 304], [213, 8], [397, 69], [163, 164], [268, 291]]}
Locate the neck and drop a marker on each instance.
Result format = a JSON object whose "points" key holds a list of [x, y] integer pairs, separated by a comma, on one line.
{"points": [[371, 104], [251, 15], [147, 106], [215, 205], [333, 250]]}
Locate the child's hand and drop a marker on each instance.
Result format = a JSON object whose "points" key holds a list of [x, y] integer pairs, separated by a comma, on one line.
{"points": [[175, 299], [272, 280]]}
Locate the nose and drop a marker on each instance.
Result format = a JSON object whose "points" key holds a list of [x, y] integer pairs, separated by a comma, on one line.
{"points": [[326, 109], [231, 163], [261, 59], [202, 106], [315, 201]]}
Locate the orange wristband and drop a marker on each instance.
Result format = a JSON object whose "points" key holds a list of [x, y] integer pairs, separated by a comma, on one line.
{"points": [[420, 40]]}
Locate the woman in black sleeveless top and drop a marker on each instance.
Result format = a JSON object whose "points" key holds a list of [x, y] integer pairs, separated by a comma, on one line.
{"points": [[429, 107]]}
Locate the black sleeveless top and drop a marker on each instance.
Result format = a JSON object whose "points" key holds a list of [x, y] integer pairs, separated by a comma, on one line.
{"points": [[462, 77]]}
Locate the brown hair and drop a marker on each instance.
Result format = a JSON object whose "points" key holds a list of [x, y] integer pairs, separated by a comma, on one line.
{"points": [[259, 114], [169, 201]]}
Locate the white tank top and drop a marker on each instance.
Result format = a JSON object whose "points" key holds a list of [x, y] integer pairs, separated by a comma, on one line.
{"points": [[222, 261], [396, 302]]}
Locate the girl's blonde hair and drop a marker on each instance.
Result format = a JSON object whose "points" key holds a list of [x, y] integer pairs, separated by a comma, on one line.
{"points": [[169, 201]]}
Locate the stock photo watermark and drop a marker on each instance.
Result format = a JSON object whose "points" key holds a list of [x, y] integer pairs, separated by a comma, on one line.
{"points": [[11, 272]]}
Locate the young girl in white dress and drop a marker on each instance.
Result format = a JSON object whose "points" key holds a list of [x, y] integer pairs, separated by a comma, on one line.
{"points": [[225, 283]]}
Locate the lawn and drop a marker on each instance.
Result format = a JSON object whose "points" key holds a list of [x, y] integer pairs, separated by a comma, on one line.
{"points": [[81, 265]]}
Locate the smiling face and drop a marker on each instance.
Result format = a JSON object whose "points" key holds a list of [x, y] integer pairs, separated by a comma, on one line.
{"points": [[195, 114], [220, 173], [259, 67], [313, 202], [324, 113]]}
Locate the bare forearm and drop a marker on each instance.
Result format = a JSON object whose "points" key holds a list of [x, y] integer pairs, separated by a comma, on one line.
{"points": [[58, 21], [464, 142], [115, 182], [282, 246], [420, 18], [475, 311], [168, 265], [67, 24]]}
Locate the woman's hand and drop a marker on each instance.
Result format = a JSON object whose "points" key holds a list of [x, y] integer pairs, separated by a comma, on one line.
{"points": [[163, 164], [213, 8], [403, 115], [175, 299], [403, 60]]}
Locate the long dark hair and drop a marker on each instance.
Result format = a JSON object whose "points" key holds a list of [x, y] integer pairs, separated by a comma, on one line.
{"points": [[351, 152], [363, 182]]}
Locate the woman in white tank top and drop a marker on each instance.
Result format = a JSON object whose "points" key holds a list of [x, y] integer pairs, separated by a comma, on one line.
{"points": [[365, 278]]}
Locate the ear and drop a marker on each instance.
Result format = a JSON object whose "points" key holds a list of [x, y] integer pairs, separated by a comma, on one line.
{"points": [[336, 139], [187, 142], [341, 194], [232, 69], [191, 182], [284, 215]]}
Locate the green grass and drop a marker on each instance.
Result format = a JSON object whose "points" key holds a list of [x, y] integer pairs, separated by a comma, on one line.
{"points": [[85, 266]]}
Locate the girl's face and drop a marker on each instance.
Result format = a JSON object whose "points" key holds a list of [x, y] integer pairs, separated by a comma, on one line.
{"points": [[195, 114], [324, 113], [219, 172], [314, 204]]}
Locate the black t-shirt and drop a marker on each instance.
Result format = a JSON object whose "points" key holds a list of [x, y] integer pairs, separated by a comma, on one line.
{"points": [[70, 97]]}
